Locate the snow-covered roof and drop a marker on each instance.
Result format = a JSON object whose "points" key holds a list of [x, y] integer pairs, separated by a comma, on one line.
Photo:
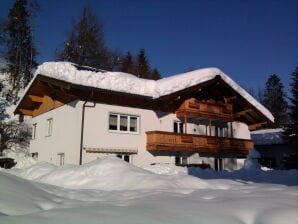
{"points": [[123, 82], [128, 83], [268, 136]]}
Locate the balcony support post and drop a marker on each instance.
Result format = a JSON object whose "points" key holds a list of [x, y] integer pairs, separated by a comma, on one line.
{"points": [[209, 126], [185, 124]]}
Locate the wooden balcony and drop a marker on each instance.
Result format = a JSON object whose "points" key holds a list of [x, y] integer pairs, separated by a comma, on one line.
{"points": [[195, 108], [174, 142]]}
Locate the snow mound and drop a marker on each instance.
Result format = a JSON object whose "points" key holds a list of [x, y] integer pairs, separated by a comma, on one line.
{"points": [[21, 158], [22, 197], [166, 169], [251, 161], [123, 82], [108, 173]]}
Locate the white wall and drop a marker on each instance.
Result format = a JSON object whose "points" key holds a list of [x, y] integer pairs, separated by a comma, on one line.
{"points": [[65, 134]]}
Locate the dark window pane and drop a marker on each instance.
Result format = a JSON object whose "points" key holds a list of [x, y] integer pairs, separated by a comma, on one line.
{"points": [[123, 123], [133, 124], [126, 158], [113, 122]]}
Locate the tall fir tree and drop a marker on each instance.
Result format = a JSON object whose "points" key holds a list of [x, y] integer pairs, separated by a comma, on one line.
{"points": [[142, 69], [292, 128], [86, 45], [127, 64], [275, 100], [21, 52], [155, 75]]}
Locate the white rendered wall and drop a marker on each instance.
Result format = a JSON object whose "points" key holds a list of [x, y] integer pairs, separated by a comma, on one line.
{"points": [[240, 130], [65, 136], [97, 134]]}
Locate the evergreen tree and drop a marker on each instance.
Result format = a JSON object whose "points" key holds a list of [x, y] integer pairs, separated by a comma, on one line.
{"points": [[292, 129], [142, 69], [20, 54], [127, 64], [155, 75], [86, 45], [275, 100]]}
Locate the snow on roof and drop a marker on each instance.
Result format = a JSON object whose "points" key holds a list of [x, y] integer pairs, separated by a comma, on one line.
{"points": [[268, 136], [123, 82]]}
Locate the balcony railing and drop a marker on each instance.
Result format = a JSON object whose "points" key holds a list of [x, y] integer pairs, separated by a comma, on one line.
{"points": [[195, 108], [175, 142]]}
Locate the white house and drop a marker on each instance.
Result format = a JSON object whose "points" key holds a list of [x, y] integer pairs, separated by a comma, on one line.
{"points": [[80, 114]]}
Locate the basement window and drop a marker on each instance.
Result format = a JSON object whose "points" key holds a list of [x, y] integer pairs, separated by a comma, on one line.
{"points": [[123, 123], [125, 157]]}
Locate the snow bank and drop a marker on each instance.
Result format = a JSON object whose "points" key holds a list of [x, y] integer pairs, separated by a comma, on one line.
{"points": [[107, 173], [268, 136], [21, 158], [123, 82], [26, 201]]}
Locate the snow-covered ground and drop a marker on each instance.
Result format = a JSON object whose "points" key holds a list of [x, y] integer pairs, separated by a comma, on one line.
{"points": [[109, 190]]}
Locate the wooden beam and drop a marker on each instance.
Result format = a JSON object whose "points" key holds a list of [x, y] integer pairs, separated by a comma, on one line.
{"points": [[240, 113], [26, 112], [255, 126], [37, 99], [229, 99]]}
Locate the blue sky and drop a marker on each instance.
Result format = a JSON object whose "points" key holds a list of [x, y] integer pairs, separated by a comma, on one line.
{"points": [[248, 40]]}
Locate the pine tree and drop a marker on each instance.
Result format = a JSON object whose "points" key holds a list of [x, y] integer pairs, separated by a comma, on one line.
{"points": [[86, 45], [292, 129], [20, 53], [155, 75], [127, 64], [275, 100], [142, 69]]}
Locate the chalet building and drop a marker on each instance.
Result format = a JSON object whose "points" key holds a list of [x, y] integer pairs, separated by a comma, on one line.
{"points": [[80, 113], [275, 151]]}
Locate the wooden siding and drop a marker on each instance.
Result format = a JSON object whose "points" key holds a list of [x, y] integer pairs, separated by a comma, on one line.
{"points": [[171, 142]]}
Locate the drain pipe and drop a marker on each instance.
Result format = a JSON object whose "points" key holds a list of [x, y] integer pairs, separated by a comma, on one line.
{"points": [[83, 124]]}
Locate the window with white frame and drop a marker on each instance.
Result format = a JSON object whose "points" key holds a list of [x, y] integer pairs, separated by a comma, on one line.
{"points": [[33, 135], [178, 127], [49, 127], [123, 123]]}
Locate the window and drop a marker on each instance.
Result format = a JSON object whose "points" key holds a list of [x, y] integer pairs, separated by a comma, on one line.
{"points": [[34, 131], [123, 123], [125, 157], [180, 160], [49, 127], [34, 155], [178, 127], [61, 157]]}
